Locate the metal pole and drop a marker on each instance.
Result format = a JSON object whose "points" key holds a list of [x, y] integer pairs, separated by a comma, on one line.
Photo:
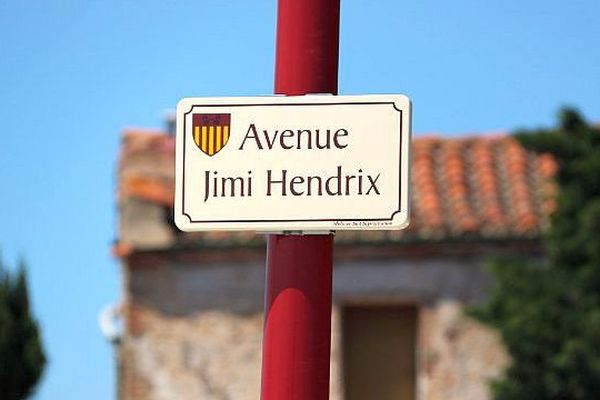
{"points": [[297, 329]]}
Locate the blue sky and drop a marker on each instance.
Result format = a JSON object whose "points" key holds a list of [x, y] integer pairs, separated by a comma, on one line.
{"points": [[74, 74]]}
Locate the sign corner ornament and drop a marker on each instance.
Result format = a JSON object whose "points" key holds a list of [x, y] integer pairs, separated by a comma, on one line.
{"points": [[298, 163]]}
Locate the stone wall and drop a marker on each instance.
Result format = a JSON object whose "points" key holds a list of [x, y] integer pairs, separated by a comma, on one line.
{"points": [[193, 330], [457, 357]]}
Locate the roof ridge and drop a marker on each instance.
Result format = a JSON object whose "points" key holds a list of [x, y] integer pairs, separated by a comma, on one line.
{"points": [[464, 188]]}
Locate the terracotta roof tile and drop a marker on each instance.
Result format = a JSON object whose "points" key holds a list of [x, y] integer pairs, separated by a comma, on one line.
{"points": [[485, 187]]}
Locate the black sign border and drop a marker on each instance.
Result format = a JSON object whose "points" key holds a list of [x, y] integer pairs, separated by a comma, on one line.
{"points": [[391, 218]]}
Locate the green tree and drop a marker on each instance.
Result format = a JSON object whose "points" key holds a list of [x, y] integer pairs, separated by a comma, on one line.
{"points": [[22, 358], [548, 312]]}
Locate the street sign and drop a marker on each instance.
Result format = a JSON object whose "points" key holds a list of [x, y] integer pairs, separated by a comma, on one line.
{"points": [[302, 163]]}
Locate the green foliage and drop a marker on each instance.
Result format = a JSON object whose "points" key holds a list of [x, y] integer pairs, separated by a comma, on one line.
{"points": [[548, 313], [22, 357]]}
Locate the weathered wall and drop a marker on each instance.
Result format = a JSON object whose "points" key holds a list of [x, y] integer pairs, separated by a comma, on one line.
{"points": [[194, 331], [457, 357]]}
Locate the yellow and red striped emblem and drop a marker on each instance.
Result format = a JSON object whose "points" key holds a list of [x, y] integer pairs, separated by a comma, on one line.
{"points": [[211, 132]]}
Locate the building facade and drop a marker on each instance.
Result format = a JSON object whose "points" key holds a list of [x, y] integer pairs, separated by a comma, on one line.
{"points": [[193, 302]]}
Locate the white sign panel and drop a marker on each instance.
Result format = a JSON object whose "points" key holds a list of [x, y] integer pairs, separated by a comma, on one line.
{"points": [[300, 163]]}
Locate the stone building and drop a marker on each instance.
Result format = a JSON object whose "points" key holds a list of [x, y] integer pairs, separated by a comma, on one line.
{"points": [[193, 303]]}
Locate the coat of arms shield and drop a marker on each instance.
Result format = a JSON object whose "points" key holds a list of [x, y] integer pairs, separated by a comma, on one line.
{"points": [[211, 132]]}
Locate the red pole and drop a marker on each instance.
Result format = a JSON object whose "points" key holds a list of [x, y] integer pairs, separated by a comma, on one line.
{"points": [[297, 330], [306, 59]]}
